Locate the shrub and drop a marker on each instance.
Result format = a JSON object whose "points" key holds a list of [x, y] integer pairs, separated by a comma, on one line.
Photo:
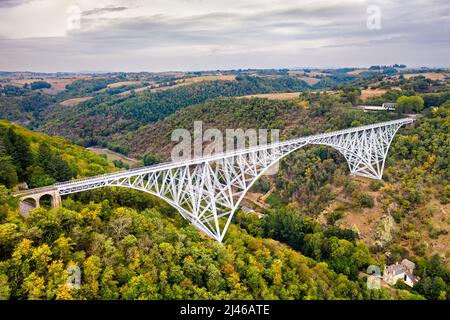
{"points": [[365, 200], [333, 216], [375, 185], [40, 85]]}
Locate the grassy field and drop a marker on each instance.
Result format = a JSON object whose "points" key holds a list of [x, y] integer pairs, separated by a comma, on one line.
{"points": [[359, 71], [275, 96], [135, 90], [123, 83], [303, 73], [225, 77], [371, 93], [309, 80], [431, 76], [111, 156], [74, 101], [58, 84], [183, 82]]}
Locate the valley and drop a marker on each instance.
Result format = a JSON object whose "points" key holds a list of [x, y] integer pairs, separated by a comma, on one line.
{"points": [[315, 222]]}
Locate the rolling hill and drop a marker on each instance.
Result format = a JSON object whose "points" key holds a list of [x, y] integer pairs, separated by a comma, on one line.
{"points": [[93, 122]]}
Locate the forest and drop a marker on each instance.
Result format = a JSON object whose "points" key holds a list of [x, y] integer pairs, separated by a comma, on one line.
{"points": [[94, 122], [139, 249], [39, 160]]}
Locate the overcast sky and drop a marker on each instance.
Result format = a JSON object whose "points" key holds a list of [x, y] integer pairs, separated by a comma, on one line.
{"points": [[162, 35]]}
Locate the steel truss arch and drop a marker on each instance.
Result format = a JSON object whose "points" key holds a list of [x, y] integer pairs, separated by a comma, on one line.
{"points": [[207, 191]]}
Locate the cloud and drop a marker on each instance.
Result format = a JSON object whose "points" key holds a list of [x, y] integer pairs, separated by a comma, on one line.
{"points": [[12, 3], [103, 10], [196, 34]]}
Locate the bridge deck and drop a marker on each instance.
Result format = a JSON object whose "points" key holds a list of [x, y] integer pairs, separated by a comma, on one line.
{"points": [[35, 191]]}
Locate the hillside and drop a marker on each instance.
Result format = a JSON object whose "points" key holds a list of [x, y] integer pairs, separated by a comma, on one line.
{"points": [[93, 122], [152, 253], [293, 117], [406, 215], [102, 109], [23, 105], [39, 160], [309, 114], [315, 180]]}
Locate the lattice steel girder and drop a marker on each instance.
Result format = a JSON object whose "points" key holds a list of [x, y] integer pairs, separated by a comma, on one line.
{"points": [[207, 191]]}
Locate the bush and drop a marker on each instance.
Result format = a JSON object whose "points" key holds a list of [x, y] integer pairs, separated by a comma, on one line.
{"points": [[40, 85], [375, 185], [445, 195], [365, 200], [333, 216], [151, 159], [409, 104], [350, 186]]}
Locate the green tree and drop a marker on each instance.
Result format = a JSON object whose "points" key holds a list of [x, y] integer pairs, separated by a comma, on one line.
{"points": [[8, 174], [19, 150], [215, 280], [44, 156], [288, 226], [151, 159], [40, 85], [413, 104], [91, 270], [60, 169], [38, 178], [52, 163], [5, 290]]}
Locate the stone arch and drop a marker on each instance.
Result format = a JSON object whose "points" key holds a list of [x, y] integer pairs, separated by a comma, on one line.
{"points": [[55, 198], [46, 200], [27, 204], [32, 201]]}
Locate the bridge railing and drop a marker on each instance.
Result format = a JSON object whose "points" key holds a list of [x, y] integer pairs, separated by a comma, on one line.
{"points": [[34, 191], [169, 165]]}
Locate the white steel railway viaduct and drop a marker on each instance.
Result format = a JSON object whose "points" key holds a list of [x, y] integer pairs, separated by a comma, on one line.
{"points": [[207, 191]]}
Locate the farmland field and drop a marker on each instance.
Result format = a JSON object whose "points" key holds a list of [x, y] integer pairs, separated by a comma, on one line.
{"points": [[275, 96], [429, 75], [111, 156], [123, 83], [371, 93], [74, 101]]}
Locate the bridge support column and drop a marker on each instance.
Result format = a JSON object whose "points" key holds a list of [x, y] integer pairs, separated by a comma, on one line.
{"points": [[56, 199], [365, 150]]}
